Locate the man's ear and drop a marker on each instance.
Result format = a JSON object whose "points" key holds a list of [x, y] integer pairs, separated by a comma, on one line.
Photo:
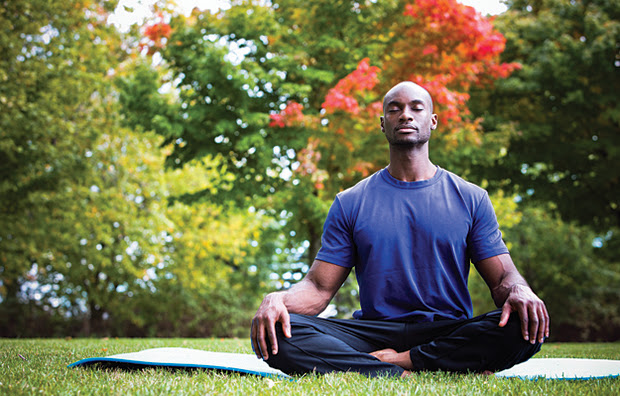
{"points": [[434, 121], [382, 125]]}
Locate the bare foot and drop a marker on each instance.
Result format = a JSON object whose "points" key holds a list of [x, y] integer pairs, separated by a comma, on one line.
{"points": [[384, 354], [391, 356]]}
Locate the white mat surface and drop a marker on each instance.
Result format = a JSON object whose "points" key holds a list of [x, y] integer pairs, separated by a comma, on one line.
{"points": [[189, 358], [250, 364], [563, 369]]}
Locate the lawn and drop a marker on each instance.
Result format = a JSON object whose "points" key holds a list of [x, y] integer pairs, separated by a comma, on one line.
{"points": [[39, 366]]}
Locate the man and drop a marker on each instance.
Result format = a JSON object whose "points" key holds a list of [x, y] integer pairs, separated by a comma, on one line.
{"points": [[410, 230]]}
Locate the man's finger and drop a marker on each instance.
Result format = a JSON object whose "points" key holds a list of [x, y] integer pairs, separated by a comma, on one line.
{"points": [[286, 325], [544, 324], [262, 345], [547, 320], [523, 314], [534, 322], [506, 311], [272, 338], [255, 346]]}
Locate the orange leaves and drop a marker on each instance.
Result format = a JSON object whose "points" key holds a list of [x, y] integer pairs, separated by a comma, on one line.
{"points": [[456, 37], [157, 31], [448, 47], [156, 35], [342, 96]]}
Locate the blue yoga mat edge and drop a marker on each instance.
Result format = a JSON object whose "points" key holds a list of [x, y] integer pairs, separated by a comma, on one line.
{"points": [[89, 361]]}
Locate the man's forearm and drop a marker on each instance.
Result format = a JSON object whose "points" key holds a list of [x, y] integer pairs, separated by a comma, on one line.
{"points": [[311, 295], [510, 283], [304, 298], [502, 277]]}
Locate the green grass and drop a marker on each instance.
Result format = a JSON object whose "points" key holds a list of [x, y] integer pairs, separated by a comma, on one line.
{"points": [[39, 366]]}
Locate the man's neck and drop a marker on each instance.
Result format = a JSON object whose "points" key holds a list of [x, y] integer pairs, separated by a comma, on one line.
{"points": [[411, 165]]}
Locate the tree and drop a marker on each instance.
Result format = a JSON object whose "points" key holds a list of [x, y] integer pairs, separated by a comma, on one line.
{"points": [[115, 257], [561, 116], [225, 101], [55, 58], [103, 237], [52, 109], [562, 266], [91, 242], [289, 95], [563, 106]]}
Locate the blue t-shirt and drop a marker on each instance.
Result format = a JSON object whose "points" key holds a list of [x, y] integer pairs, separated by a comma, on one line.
{"points": [[411, 244]]}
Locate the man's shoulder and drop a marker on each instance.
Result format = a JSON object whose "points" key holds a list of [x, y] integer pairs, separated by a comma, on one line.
{"points": [[361, 187], [462, 185]]}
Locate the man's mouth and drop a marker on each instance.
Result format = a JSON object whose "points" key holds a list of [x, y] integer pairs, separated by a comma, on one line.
{"points": [[406, 128]]}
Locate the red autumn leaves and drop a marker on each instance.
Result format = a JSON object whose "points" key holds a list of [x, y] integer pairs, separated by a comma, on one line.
{"points": [[445, 46], [156, 35], [342, 96], [450, 48]]}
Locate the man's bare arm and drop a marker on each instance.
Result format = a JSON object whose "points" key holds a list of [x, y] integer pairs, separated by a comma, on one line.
{"points": [[511, 292], [309, 297]]}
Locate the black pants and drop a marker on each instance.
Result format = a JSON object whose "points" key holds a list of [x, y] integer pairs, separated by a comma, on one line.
{"points": [[470, 345]]}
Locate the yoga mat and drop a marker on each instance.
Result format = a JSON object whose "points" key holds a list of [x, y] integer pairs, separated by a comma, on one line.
{"points": [[188, 358], [563, 369]]}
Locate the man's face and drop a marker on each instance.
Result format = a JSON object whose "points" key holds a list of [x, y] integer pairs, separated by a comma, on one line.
{"points": [[408, 116]]}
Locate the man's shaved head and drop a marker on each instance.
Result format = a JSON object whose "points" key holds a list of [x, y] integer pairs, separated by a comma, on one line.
{"points": [[408, 117], [407, 85]]}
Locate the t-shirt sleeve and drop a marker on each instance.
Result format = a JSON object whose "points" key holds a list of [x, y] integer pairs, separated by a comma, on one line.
{"points": [[485, 238], [337, 245]]}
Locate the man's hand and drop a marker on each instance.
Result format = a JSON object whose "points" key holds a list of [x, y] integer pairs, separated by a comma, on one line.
{"points": [[271, 311], [511, 292], [310, 296], [532, 311]]}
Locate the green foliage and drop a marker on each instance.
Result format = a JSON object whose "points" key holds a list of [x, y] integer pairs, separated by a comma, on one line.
{"points": [[91, 241], [289, 52], [564, 106], [52, 70], [559, 117], [582, 292], [53, 99], [117, 257]]}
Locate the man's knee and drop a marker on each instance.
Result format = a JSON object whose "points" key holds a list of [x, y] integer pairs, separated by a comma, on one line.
{"points": [[289, 354], [512, 345], [513, 328]]}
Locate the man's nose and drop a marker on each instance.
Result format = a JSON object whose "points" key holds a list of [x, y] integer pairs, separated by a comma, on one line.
{"points": [[407, 114]]}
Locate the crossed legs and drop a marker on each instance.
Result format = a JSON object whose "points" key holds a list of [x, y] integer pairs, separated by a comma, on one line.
{"points": [[471, 345]]}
